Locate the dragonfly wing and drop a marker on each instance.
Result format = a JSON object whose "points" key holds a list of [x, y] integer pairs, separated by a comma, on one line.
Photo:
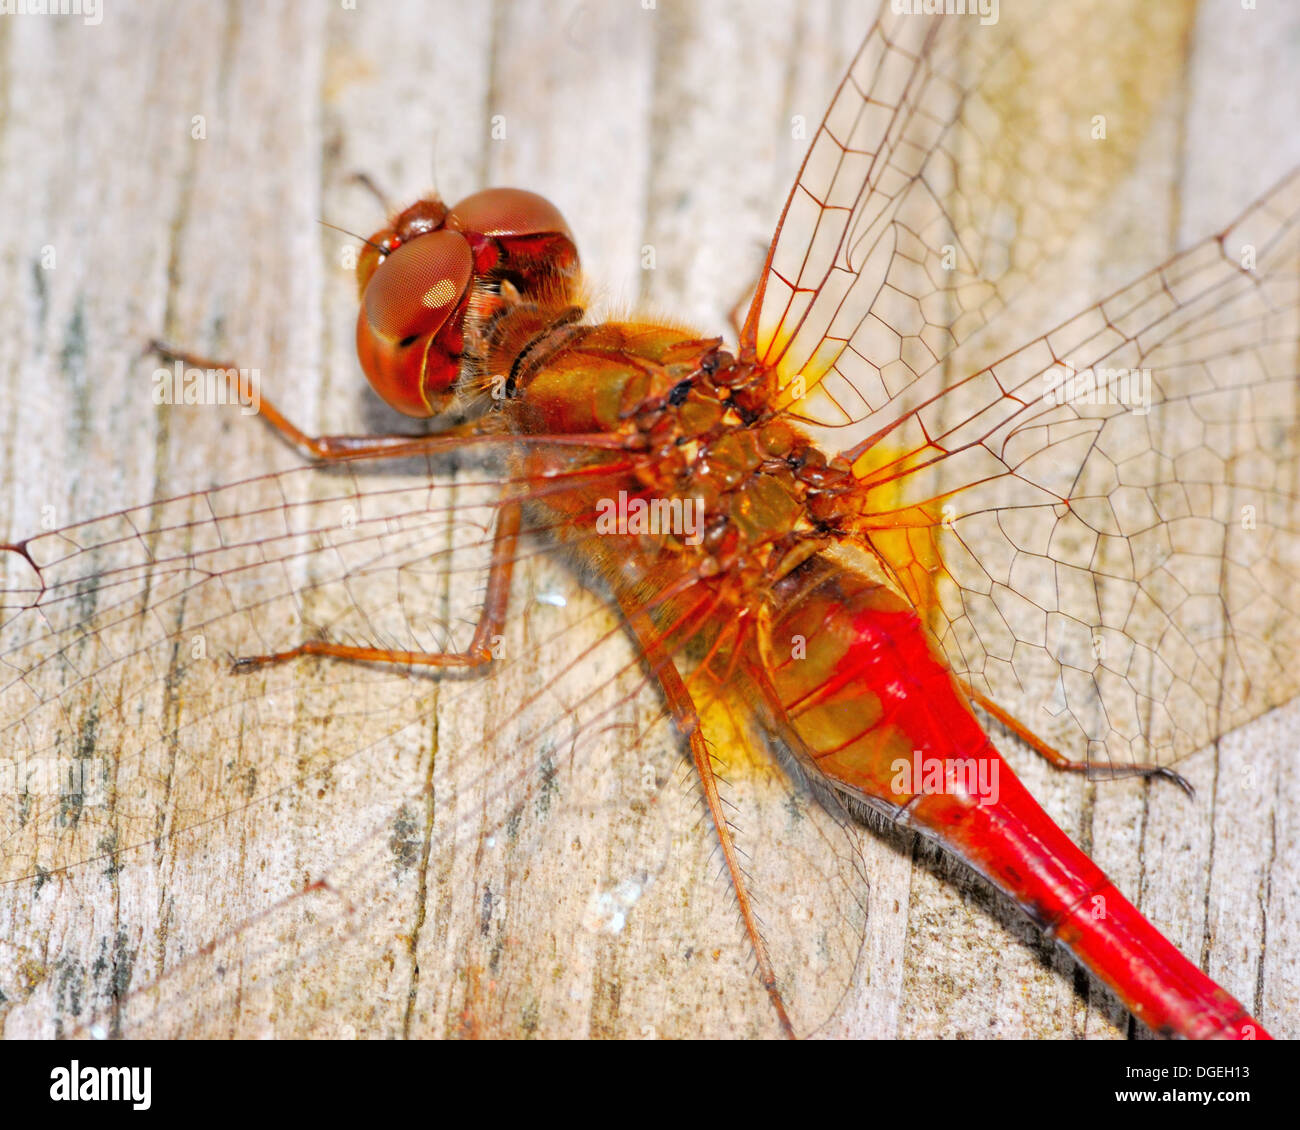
{"points": [[267, 851], [305, 798], [955, 160], [1108, 519]]}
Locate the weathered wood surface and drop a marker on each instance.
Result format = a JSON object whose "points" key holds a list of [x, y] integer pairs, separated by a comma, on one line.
{"points": [[585, 901]]}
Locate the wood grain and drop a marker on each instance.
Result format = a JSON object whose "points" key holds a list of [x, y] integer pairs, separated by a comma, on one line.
{"points": [[571, 892]]}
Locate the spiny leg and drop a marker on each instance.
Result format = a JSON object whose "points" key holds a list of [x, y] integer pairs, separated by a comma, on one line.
{"points": [[1058, 760], [324, 448], [491, 619], [687, 718], [343, 448]]}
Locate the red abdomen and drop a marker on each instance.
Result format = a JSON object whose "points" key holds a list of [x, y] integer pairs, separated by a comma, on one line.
{"points": [[862, 684]]}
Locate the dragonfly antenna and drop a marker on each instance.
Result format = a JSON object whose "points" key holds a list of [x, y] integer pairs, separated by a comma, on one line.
{"points": [[433, 161], [369, 242]]}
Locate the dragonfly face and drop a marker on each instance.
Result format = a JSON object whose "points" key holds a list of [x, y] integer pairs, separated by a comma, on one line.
{"points": [[433, 268]]}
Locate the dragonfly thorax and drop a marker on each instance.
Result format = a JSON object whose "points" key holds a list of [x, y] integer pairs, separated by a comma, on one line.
{"points": [[698, 484]]}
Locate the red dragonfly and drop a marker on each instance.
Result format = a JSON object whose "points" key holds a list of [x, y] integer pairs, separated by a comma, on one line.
{"points": [[958, 478]]}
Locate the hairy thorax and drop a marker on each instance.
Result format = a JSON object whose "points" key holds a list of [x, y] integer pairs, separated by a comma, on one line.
{"points": [[705, 485]]}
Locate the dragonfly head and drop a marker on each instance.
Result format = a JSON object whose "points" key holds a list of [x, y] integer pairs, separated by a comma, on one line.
{"points": [[434, 267]]}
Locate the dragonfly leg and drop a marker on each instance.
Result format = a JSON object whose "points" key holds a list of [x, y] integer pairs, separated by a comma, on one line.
{"points": [[1058, 760], [687, 719], [324, 448], [736, 315], [481, 649]]}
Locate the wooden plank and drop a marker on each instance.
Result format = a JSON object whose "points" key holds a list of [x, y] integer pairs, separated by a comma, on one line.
{"points": [[477, 887]]}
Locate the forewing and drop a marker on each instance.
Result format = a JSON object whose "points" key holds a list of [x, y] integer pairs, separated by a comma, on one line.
{"points": [[956, 158]]}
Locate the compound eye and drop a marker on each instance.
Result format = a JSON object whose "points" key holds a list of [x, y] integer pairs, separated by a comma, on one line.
{"points": [[415, 289], [409, 340], [505, 212]]}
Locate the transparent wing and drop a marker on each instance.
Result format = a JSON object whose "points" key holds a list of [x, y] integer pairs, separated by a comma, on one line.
{"points": [[381, 835], [955, 159], [1105, 523]]}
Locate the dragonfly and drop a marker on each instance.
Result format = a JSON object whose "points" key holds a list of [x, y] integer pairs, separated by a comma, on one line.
{"points": [[199, 530]]}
